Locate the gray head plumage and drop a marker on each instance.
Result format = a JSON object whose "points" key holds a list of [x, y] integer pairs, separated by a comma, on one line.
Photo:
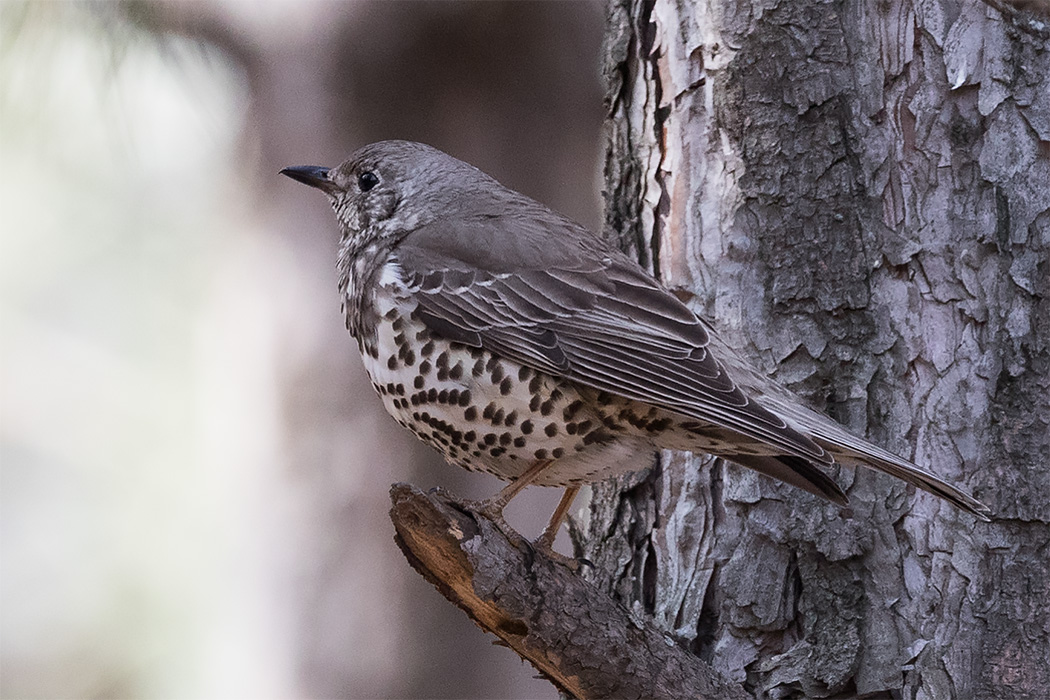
{"points": [[392, 186]]}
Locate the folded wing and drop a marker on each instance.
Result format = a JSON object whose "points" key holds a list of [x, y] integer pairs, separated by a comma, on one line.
{"points": [[582, 311]]}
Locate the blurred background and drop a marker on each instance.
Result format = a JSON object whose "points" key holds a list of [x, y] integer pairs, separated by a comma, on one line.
{"points": [[194, 470]]}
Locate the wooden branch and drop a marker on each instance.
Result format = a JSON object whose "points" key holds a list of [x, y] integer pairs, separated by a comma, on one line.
{"points": [[578, 637]]}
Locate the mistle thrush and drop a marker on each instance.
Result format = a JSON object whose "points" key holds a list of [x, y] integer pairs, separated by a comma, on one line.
{"points": [[516, 342]]}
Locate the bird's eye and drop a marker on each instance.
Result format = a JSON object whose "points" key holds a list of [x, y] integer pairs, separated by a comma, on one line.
{"points": [[367, 180]]}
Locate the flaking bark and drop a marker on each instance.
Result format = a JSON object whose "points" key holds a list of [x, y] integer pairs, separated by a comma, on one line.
{"points": [[855, 193]]}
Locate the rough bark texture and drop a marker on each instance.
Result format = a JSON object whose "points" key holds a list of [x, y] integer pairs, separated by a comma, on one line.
{"points": [[586, 643], [856, 193]]}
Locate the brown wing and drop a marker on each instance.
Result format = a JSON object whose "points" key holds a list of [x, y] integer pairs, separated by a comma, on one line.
{"points": [[546, 293]]}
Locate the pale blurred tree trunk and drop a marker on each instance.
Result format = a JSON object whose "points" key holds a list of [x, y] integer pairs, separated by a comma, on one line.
{"points": [[857, 194]]}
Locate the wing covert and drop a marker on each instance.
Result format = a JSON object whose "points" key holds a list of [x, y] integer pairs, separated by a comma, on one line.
{"points": [[583, 311]]}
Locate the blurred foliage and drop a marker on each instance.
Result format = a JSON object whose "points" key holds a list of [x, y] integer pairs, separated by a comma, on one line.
{"points": [[119, 154]]}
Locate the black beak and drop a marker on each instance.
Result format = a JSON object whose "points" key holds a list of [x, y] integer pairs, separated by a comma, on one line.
{"points": [[312, 175]]}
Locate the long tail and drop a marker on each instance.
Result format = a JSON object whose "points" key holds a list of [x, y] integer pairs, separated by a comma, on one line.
{"points": [[877, 458], [800, 473], [795, 471], [847, 448]]}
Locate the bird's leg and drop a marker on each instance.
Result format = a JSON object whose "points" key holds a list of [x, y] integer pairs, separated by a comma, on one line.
{"points": [[546, 540], [493, 507]]}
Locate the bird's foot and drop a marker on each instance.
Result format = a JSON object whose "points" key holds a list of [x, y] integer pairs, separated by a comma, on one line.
{"points": [[491, 509]]}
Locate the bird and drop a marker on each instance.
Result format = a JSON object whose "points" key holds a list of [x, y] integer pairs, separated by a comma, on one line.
{"points": [[519, 343]]}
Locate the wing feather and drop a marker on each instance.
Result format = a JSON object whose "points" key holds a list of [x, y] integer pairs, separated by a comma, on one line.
{"points": [[731, 409], [590, 315]]}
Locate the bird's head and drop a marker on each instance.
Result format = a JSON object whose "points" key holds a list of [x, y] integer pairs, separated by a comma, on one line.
{"points": [[389, 188]]}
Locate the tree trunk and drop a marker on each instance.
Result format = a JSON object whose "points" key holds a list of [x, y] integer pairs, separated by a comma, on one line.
{"points": [[856, 194]]}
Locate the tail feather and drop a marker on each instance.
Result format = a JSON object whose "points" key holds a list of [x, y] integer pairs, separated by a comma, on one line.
{"points": [[850, 449], [795, 471], [877, 458]]}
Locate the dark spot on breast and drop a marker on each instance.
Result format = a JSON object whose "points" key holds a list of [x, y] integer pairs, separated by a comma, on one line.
{"points": [[418, 382], [424, 367], [628, 416], [497, 417], [526, 427], [535, 384], [519, 441], [489, 410], [442, 360], [478, 369], [534, 403], [540, 454], [427, 348], [464, 398], [597, 437], [410, 358], [456, 372], [442, 396], [432, 395], [511, 419], [505, 386], [572, 409], [469, 436], [391, 363], [551, 430], [660, 425], [471, 413], [490, 438], [505, 439], [523, 373], [497, 374], [557, 453]]}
